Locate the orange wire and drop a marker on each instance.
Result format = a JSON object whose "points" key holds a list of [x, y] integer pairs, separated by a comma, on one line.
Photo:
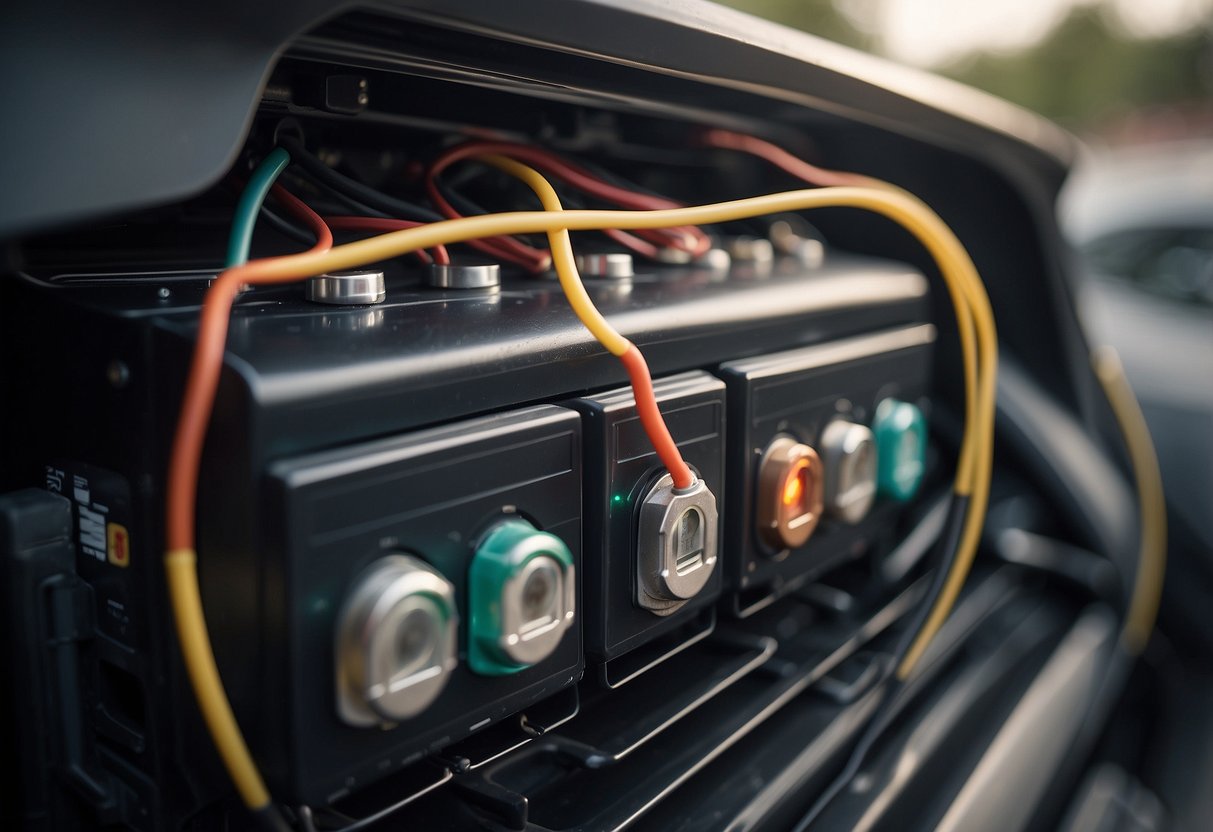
{"points": [[203, 379], [651, 420], [202, 382]]}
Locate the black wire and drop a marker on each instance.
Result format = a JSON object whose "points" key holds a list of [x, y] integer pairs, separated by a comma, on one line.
{"points": [[949, 547], [344, 203], [287, 228], [468, 207], [378, 200], [270, 819], [887, 710], [619, 181], [1075, 565], [459, 202]]}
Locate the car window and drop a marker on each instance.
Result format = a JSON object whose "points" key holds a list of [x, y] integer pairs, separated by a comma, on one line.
{"points": [[1173, 262]]}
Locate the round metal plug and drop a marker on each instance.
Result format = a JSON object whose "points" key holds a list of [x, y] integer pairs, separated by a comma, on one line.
{"points": [[849, 453], [522, 596], [676, 550], [396, 641], [791, 488]]}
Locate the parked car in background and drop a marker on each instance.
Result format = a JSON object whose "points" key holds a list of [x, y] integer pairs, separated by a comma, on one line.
{"points": [[1142, 222]]}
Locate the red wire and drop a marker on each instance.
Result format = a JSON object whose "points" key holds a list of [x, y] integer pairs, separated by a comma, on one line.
{"points": [[651, 420], [633, 242], [441, 256], [510, 250], [324, 235], [685, 238], [780, 158], [504, 248]]}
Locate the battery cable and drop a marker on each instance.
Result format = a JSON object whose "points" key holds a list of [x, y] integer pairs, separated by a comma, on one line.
{"points": [[970, 302]]}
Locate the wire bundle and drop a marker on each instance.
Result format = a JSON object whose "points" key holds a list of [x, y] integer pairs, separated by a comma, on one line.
{"points": [[646, 242], [655, 221], [971, 487], [972, 491], [440, 256], [979, 349]]}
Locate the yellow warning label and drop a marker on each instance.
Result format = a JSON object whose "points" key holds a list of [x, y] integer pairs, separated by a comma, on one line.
{"points": [[118, 546]]}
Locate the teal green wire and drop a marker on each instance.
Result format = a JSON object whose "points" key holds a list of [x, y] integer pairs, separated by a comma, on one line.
{"points": [[254, 195]]}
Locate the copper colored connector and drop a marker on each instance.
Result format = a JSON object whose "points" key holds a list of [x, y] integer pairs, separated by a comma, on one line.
{"points": [[790, 494]]}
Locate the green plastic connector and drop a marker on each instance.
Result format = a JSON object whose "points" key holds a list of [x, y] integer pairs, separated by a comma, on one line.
{"points": [[521, 598], [901, 449]]}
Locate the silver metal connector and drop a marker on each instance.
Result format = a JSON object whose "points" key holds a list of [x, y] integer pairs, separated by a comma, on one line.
{"points": [[849, 453], [676, 551], [347, 288], [397, 642], [464, 275], [611, 265]]}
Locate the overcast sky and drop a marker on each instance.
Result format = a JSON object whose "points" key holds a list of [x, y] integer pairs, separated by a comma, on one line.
{"points": [[930, 31]]}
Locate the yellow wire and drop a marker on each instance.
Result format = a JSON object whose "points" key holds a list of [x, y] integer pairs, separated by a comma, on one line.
{"points": [[960, 276], [1152, 503], [971, 305], [981, 463], [182, 575], [975, 464], [562, 257]]}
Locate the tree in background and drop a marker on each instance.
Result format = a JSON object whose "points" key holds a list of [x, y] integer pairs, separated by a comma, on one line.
{"points": [[1087, 73], [842, 21]]}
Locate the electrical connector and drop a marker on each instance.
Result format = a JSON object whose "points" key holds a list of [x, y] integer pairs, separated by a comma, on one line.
{"points": [[850, 464], [901, 445], [677, 545], [521, 595], [791, 488], [397, 641]]}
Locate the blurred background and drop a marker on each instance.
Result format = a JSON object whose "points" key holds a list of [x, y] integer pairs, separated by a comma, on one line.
{"points": [[1134, 80], [1116, 72]]}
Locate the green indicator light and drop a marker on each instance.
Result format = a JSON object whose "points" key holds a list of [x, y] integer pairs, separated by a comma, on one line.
{"points": [[618, 498], [521, 598], [901, 448]]}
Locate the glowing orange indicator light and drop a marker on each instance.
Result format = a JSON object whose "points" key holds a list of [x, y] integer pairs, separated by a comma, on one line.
{"points": [[789, 499], [795, 485]]}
